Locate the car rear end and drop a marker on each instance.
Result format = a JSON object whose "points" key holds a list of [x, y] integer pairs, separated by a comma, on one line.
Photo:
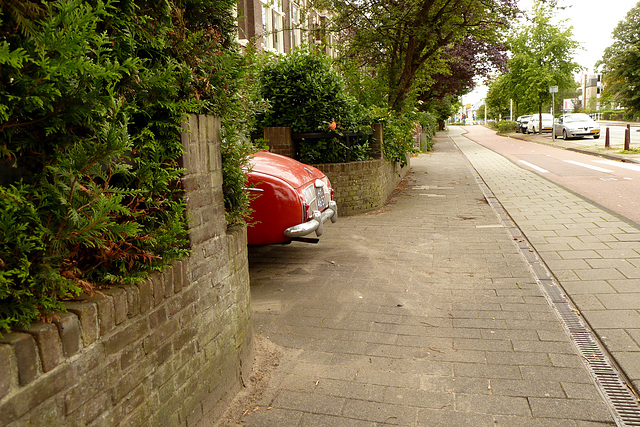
{"points": [[290, 200]]}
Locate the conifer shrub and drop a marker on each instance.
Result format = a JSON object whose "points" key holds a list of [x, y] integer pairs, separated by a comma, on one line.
{"points": [[93, 94]]}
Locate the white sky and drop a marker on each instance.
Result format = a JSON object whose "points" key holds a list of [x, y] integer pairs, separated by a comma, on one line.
{"points": [[593, 22]]}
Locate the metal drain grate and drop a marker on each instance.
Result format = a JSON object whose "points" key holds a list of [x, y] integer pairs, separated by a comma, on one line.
{"points": [[621, 400]]}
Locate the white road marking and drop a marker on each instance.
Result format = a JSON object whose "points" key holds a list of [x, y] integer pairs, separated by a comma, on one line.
{"points": [[532, 166], [584, 165], [632, 166]]}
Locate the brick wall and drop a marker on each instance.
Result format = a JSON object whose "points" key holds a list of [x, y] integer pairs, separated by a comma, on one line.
{"points": [[171, 350], [280, 141], [362, 186]]}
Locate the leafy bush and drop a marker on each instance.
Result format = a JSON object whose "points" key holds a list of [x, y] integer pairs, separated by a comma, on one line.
{"points": [[429, 123], [505, 126], [398, 135], [93, 96], [303, 92]]}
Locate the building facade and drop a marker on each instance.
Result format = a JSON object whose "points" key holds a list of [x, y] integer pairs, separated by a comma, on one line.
{"points": [[591, 88], [279, 26]]}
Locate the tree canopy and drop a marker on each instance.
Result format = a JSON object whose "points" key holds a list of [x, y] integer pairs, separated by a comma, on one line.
{"points": [[621, 62], [541, 56], [405, 42]]}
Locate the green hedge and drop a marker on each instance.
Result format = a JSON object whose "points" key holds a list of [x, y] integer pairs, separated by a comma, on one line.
{"points": [[93, 94], [304, 92]]}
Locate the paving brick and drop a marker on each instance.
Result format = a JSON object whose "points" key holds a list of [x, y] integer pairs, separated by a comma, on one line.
{"points": [[513, 358], [526, 388], [555, 373], [502, 405], [599, 274], [612, 319], [446, 418], [379, 413], [350, 389], [267, 417], [317, 404], [486, 371], [630, 362], [588, 410]]}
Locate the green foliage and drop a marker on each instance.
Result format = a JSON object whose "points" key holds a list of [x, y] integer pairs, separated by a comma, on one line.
{"points": [[621, 62], [302, 91], [403, 42], [235, 152], [25, 287], [398, 135], [429, 124], [505, 126], [541, 57], [92, 95]]}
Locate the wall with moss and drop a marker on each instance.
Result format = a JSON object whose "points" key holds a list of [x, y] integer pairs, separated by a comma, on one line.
{"points": [[172, 350], [363, 186]]}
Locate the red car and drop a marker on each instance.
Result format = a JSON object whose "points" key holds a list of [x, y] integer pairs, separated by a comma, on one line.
{"points": [[291, 200]]}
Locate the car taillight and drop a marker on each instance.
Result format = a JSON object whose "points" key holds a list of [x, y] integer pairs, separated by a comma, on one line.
{"points": [[332, 192], [306, 206]]}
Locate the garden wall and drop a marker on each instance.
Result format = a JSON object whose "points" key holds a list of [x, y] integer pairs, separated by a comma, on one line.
{"points": [[172, 350], [363, 186], [359, 186]]}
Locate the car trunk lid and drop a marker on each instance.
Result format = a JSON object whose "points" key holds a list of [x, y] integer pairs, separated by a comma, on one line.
{"points": [[291, 171]]}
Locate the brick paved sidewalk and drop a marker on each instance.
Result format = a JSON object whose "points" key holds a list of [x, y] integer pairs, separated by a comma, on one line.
{"points": [[594, 255], [421, 314]]}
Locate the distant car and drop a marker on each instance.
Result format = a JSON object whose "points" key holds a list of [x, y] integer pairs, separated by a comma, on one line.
{"points": [[576, 125], [290, 200], [534, 123], [521, 123]]}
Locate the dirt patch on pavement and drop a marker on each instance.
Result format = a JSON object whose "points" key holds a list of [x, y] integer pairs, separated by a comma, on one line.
{"points": [[267, 357]]}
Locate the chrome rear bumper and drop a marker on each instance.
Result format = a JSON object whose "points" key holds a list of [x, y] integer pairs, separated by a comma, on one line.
{"points": [[315, 223]]}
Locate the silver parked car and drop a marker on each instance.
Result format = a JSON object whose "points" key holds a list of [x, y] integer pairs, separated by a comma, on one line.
{"points": [[535, 126], [576, 125]]}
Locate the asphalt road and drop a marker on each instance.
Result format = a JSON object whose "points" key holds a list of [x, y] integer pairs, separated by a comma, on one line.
{"points": [[609, 183]]}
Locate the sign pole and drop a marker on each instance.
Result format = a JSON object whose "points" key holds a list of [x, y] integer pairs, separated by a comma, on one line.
{"points": [[553, 90]]}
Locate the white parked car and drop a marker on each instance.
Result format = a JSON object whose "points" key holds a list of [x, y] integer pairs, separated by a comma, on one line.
{"points": [[576, 125], [534, 126]]}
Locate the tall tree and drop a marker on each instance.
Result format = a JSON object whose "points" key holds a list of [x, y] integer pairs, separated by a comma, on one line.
{"points": [[498, 97], [542, 56], [404, 38], [466, 63], [621, 62]]}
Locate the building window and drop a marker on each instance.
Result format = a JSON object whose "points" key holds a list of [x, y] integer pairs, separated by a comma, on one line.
{"points": [[296, 23], [272, 26]]}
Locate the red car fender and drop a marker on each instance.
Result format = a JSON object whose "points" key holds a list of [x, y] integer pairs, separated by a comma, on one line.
{"points": [[276, 206]]}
